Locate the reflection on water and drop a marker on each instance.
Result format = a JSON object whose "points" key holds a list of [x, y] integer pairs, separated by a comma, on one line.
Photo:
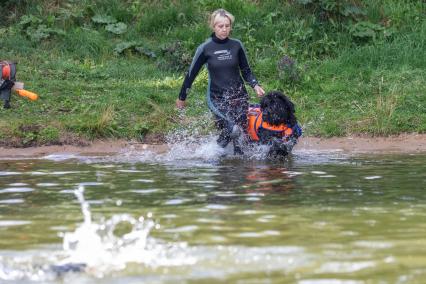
{"points": [[313, 218]]}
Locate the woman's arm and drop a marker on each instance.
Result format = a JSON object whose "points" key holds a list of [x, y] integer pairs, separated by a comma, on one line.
{"points": [[259, 90], [197, 62], [247, 74]]}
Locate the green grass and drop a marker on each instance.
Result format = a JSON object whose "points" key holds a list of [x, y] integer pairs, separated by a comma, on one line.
{"points": [[346, 85]]}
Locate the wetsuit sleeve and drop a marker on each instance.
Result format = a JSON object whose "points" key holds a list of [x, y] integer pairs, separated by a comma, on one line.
{"points": [[245, 68], [197, 62]]}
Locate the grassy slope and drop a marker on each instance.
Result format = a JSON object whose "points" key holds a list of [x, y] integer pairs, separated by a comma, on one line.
{"points": [[346, 85]]}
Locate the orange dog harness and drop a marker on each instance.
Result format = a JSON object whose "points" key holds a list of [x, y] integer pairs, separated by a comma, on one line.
{"points": [[255, 122]]}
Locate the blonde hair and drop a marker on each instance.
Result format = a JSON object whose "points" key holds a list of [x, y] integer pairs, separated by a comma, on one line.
{"points": [[221, 13]]}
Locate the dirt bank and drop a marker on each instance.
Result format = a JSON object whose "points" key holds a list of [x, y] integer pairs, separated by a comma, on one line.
{"points": [[407, 143]]}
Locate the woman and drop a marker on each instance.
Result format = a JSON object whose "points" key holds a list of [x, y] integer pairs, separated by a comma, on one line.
{"points": [[226, 61]]}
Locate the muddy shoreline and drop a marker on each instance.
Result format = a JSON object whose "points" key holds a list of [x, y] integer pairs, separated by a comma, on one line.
{"points": [[406, 143]]}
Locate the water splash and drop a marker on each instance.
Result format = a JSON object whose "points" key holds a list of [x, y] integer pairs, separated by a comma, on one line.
{"points": [[193, 143], [103, 248], [195, 148], [188, 147], [98, 249]]}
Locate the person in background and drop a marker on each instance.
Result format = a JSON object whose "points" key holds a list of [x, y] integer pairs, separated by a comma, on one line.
{"points": [[227, 65]]}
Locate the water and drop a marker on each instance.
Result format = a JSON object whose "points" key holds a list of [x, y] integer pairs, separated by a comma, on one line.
{"points": [[192, 215]]}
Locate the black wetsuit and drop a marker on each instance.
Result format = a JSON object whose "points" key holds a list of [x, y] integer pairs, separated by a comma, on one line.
{"points": [[227, 97]]}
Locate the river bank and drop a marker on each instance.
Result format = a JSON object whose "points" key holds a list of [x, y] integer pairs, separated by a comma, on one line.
{"points": [[404, 143]]}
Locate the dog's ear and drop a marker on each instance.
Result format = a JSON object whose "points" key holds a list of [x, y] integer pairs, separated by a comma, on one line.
{"points": [[274, 110], [288, 103], [291, 118], [265, 101], [277, 109]]}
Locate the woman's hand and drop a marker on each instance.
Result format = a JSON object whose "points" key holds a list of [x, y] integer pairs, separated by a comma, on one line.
{"points": [[259, 91], [180, 104]]}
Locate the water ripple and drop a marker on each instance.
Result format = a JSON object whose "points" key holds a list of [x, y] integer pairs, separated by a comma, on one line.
{"points": [[47, 184], [318, 172], [257, 234], [144, 191], [144, 180], [345, 267], [8, 223], [132, 171], [217, 207], [90, 183], [12, 201], [16, 189], [373, 177], [9, 173], [182, 229], [175, 201]]}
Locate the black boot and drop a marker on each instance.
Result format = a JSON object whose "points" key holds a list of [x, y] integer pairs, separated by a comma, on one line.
{"points": [[237, 139], [223, 139], [237, 149]]}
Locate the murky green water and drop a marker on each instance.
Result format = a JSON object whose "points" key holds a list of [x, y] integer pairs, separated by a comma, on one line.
{"points": [[315, 218]]}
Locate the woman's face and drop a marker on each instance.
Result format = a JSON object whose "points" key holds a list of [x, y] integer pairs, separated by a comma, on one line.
{"points": [[222, 27]]}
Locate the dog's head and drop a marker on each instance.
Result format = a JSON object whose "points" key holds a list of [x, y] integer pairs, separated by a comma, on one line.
{"points": [[277, 109]]}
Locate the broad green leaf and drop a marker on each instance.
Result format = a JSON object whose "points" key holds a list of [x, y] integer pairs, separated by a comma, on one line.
{"points": [[117, 28], [29, 20], [145, 51], [122, 46], [103, 19], [134, 46], [38, 34], [304, 2], [353, 10], [42, 32]]}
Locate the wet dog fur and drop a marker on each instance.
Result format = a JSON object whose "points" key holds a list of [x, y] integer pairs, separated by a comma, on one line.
{"points": [[277, 109]]}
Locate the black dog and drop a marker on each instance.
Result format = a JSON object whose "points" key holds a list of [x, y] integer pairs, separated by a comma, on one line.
{"points": [[274, 123]]}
